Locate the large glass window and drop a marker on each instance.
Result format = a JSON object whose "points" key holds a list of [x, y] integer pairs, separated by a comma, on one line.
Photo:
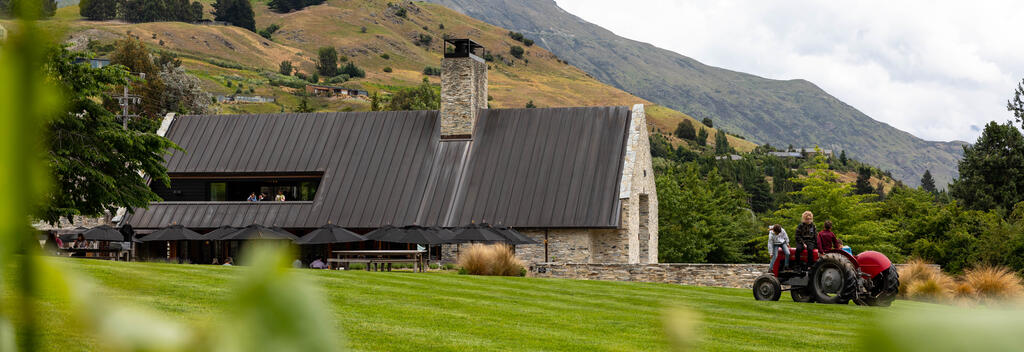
{"points": [[218, 191]]}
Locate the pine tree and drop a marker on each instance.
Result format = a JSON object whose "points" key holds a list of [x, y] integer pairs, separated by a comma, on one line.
{"points": [[702, 137], [992, 170], [721, 143], [842, 158], [707, 122], [928, 183], [863, 185], [1016, 105], [237, 12], [98, 10]]}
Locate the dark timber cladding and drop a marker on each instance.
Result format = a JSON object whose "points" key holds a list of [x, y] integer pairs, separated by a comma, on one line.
{"points": [[532, 168]]}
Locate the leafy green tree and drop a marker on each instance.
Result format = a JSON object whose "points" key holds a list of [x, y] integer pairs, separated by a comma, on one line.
{"points": [[517, 51], [863, 185], [285, 68], [992, 170], [183, 93], [237, 12], [134, 55], [928, 183], [98, 10], [327, 61], [96, 163], [707, 122], [702, 137], [685, 130], [721, 143], [139, 11], [853, 216], [700, 219], [352, 70], [422, 97]]}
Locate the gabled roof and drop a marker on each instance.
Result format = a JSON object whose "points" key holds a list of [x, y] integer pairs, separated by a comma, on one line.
{"points": [[524, 167]]}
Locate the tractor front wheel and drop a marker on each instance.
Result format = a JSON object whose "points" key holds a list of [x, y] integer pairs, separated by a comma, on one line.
{"points": [[833, 279], [767, 288]]}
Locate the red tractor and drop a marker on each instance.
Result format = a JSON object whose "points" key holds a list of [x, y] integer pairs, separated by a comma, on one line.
{"points": [[837, 277]]}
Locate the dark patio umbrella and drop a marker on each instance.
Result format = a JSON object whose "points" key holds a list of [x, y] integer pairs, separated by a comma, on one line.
{"points": [[514, 237], [71, 235], [409, 234], [330, 233], [220, 232], [103, 233], [260, 232], [478, 233], [173, 233]]}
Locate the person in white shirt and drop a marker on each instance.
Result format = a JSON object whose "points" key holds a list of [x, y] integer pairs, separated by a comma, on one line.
{"points": [[777, 238]]}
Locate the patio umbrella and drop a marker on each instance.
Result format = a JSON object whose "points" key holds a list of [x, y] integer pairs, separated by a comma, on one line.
{"points": [[103, 233], [478, 233], [330, 233], [409, 234], [220, 232], [71, 235], [173, 233], [260, 232], [514, 237]]}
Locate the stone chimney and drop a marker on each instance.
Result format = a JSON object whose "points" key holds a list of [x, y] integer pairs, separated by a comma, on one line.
{"points": [[463, 88]]}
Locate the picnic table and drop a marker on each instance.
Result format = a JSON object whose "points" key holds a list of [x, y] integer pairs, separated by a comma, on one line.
{"points": [[98, 253], [380, 259]]}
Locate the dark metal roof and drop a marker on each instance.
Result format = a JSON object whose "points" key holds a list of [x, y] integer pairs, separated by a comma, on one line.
{"points": [[524, 167]]}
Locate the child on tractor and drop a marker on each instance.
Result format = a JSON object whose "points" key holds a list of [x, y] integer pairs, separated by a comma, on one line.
{"points": [[827, 240], [806, 238], [777, 238]]}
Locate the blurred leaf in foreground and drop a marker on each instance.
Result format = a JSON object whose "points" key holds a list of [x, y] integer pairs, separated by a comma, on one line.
{"points": [[947, 329], [681, 327], [275, 309]]}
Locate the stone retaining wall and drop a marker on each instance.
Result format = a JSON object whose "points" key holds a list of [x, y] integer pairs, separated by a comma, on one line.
{"points": [[718, 275]]}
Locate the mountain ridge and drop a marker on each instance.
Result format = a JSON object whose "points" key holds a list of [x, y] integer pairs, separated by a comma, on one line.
{"points": [[765, 110]]}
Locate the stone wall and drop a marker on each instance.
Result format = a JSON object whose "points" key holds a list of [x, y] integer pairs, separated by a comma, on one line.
{"points": [[463, 92], [717, 275], [638, 183]]}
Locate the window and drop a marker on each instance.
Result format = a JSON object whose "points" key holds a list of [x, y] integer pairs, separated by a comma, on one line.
{"points": [[218, 191]]}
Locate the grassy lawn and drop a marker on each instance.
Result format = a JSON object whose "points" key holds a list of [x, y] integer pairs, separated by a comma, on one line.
{"points": [[402, 311]]}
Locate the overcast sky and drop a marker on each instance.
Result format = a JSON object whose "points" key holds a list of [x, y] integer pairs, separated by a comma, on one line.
{"points": [[937, 69]]}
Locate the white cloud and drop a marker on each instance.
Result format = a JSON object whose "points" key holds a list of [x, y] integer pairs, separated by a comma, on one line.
{"points": [[937, 69]]}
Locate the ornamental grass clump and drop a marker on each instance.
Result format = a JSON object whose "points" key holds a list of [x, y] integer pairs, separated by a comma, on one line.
{"points": [[495, 260], [922, 281], [993, 284]]}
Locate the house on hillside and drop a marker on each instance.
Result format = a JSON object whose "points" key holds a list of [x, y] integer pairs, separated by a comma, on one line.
{"points": [[332, 91], [577, 180]]}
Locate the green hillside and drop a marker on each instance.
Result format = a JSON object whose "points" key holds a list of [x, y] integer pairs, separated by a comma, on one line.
{"points": [[766, 111], [443, 311]]}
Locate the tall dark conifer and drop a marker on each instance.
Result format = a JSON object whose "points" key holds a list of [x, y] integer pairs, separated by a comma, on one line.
{"points": [[928, 183], [863, 185]]}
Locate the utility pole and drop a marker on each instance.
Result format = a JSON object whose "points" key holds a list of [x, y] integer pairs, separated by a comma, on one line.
{"points": [[128, 99]]}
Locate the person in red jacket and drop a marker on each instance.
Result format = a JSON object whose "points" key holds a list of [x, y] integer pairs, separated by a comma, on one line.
{"points": [[827, 240]]}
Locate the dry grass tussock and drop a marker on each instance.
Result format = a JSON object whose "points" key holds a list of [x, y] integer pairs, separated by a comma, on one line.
{"points": [[993, 284], [495, 259], [921, 281]]}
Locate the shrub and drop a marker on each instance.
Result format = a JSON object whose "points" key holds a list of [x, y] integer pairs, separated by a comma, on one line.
{"points": [[424, 40], [351, 70], [992, 284], [357, 266], [515, 36], [517, 51], [362, 29], [527, 41], [400, 12], [385, 56], [449, 266], [285, 68], [530, 105], [440, 26], [431, 71], [496, 259], [388, 69]]}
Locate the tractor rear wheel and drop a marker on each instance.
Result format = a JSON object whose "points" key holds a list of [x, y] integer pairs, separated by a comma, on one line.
{"points": [[885, 288], [767, 288], [801, 295], [833, 279]]}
